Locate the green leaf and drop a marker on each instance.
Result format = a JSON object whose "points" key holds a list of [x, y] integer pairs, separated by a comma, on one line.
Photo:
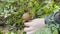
{"points": [[55, 32]]}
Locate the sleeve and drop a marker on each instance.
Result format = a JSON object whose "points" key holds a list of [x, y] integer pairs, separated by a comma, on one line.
{"points": [[53, 19]]}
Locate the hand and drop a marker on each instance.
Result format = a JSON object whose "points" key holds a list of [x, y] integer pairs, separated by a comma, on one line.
{"points": [[34, 25]]}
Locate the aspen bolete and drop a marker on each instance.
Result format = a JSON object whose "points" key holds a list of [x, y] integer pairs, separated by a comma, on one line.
{"points": [[26, 16]]}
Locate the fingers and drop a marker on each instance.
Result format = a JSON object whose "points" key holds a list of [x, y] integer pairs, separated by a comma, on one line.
{"points": [[26, 29], [33, 25], [27, 24]]}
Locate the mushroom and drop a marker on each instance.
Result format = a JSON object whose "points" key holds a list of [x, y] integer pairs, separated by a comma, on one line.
{"points": [[26, 16]]}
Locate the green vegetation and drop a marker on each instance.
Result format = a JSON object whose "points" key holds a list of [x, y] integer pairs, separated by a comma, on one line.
{"points": [[11, 12]]}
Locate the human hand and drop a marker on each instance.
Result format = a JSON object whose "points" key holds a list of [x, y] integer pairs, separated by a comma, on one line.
{"points": [[34, 25]]}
